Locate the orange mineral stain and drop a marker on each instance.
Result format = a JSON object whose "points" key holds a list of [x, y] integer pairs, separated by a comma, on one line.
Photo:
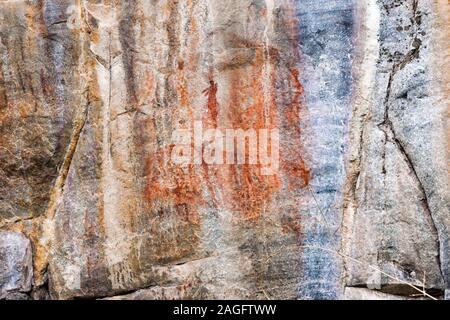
{"points": [[263, 91], [170, 184], [211, 94], [242, 187]]}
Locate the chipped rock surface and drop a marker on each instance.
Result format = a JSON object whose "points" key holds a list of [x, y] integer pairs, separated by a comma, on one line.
{"points": [[16, 270], [92, 205], [398, 214]]}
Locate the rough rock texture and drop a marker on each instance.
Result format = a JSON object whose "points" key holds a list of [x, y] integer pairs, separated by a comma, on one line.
{"points": [[353, 293], [16, 269], [325, 38], [91, 92], [398, 214], [39, 95]]}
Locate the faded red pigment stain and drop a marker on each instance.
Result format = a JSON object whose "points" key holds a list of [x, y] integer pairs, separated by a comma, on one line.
{"points": [[168, 183], [181, 86], [211, 94], [298, 174], [251, 99], [172, 194], [242, 187], [294, 108]]}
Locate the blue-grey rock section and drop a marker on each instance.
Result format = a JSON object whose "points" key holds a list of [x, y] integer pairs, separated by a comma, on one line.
{"points": [[326, 31]]}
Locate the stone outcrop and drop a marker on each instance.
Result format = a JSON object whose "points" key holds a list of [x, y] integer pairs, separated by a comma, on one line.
{"points": [[399, 214], [92, 204], [16, 269]]}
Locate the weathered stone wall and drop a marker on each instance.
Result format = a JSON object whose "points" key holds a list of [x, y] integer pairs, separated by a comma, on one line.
{"points": [[91, 205]]}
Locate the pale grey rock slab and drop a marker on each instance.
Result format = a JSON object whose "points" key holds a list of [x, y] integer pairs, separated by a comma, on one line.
{"points": [[368, 294], [400, 223], [16, 271]]}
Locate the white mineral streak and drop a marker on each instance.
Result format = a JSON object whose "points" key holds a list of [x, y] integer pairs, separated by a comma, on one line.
{"points": [[368, 20]]}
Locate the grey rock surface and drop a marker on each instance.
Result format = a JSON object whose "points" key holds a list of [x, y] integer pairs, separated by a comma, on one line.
{"points": [[399, 214], [352, 293], [16, 268], [91, 92], [326, 33]]}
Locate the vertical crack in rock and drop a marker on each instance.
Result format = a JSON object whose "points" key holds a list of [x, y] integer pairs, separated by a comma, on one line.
{"points": [[390, 135], [58, 187], [381, 164], [367, 16], [39, 108], [387, 127], [45, 236], [44, 227]]}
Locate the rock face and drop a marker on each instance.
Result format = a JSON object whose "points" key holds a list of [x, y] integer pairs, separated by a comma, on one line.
{"points": [[399, 214], [16, 269], [92, 92], [326, 33], [39, 96]]}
